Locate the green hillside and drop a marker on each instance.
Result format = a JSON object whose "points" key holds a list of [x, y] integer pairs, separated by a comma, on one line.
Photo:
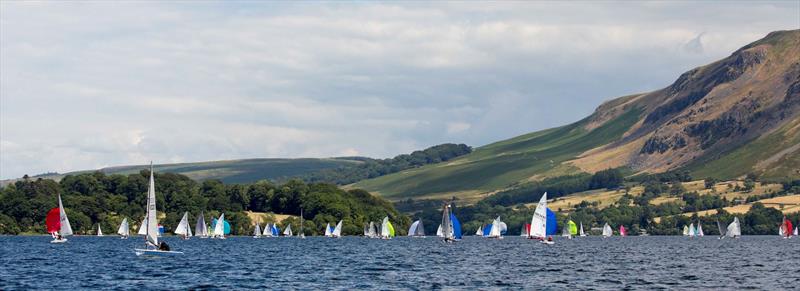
{"points": [[501, 164], [233, 171]]}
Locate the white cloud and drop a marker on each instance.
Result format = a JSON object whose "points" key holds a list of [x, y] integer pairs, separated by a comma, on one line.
{"points": [[90, 84]]}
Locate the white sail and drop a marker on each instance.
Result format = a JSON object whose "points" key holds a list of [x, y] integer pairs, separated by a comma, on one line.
{"points": [[700, 229], [200, 227], [124, 230], [539, 219], [143, 227], [795, 231], [692, 231], [372, 231], [581, 231], [496, 230], [478, 232], [257, 231], [385, 227], [152, 220], [413, 229], [685, 230], [183, 226], [219, 228], [328, 230], [66, 228], [439, 231], [99, 231], [734, 229], [524, 231], [337, 231], [607, 232], [565, 231], [447, 224], [288, 231]]}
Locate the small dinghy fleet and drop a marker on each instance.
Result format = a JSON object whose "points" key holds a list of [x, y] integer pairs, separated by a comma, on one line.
{"points": [[542, 227]]}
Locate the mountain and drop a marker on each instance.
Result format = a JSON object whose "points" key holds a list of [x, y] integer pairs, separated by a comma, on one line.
{"points": [[736, 116], [231, 171]]}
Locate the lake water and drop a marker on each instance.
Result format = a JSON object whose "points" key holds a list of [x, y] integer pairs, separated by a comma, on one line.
{"points": [[762, 262]]}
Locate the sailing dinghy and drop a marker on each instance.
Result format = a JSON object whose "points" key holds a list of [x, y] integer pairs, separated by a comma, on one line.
{"points": [[734, 229], [570, 229], [543, 224], [183, 228], [692, 231], [622, 231], [58, 224], [124, 231], [498, 229], [700, 230], [685, 230], [607, 232], [219, 227], [451, 227], [200, 228], [416, 229], [721, 230], [786, 228], [152, 247], [257, 231], [372, 232], [99, 231], [581, 232], [328, 231], [288, 231], [387, 230], [526, 228]]}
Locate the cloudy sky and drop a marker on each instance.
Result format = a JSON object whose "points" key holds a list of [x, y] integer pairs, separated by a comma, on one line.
{"points": [[87, 85]]}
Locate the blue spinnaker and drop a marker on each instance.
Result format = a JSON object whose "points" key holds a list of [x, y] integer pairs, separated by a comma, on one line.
{"points": [[275, 230], [551, 222], [487, 229], [456, 226], [226, 226]]}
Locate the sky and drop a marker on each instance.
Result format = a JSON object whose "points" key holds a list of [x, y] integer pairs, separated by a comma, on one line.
{"points": [[85, 85]]}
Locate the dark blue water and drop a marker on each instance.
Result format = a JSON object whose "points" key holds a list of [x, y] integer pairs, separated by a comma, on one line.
{"points": [[767, 262]]}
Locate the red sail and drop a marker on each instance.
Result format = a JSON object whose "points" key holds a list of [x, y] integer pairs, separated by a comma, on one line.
{"points": [[622, 231], [53, 220], [528, 228], [789, 228]]}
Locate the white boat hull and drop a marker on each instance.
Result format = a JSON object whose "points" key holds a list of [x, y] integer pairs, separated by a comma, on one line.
{"points": [[160, 253], [58, 241]]}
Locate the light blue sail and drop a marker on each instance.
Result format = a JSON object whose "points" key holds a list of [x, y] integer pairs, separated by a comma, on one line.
{"points": [[227, 226]]}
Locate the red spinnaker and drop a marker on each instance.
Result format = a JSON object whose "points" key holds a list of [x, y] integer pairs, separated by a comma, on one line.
{"points": [[53, 220], [528, 228], [789, 227]]}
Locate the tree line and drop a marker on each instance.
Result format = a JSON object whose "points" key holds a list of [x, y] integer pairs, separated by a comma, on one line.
{"points": [[96, 198], [373, 168]]}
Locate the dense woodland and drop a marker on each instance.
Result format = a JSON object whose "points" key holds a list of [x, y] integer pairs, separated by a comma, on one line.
{"points": [[95, 198], [372, 168]]}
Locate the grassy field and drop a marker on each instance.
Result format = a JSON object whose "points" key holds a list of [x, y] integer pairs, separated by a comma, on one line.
{"points": [[267, 217], [500, 165]]}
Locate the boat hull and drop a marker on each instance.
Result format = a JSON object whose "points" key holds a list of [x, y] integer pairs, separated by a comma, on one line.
{"points": [[58, 241], [158, 253]]}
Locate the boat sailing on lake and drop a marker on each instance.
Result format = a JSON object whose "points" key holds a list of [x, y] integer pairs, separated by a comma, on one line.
{"points": [[200, 227], [257, 231], [183, 228], [785, 230], [416, 229], [543, 222], [607, 232], [288, 231], [58, 224], [152, 246], [734, 229], [99, 231], [497, 229], [221, 227], [451, 227], [387, 230], [581, 232], [124, 230]]}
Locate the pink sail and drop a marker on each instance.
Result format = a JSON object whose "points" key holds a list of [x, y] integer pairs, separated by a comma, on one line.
{"points": [[622, 231]]}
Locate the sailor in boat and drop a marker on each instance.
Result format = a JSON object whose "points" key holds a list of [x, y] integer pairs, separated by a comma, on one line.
{"points": [[163, 246], [550, 238]]}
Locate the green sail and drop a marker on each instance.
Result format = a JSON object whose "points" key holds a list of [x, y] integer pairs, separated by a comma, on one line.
{"points": [[573, 229], [391, 229]]}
